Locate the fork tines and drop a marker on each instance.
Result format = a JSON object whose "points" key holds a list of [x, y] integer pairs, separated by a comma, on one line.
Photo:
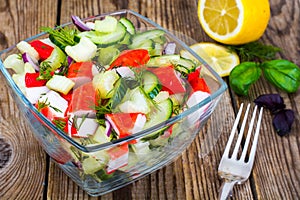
{"points": [[241, 133]]}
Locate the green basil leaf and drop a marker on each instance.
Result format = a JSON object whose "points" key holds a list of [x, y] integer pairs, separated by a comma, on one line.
{"points": [[243, 76], [283, 74]]}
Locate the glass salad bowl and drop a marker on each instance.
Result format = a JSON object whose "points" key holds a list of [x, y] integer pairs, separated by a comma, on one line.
{"points": [[111, 98]]}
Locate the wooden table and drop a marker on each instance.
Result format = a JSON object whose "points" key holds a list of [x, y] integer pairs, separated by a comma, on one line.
{"points": [[26, 172]]}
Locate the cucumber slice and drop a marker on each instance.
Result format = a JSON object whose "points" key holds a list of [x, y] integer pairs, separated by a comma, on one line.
{"points": [[157, 50], [163, 60], [151, 84], [139, 38], [107, 55], [105, 39], [94, 162], [186, 63], [127, 39], [135, 101], [162, 113], [183, 70], [147, 44], [107, 25], [160, 40], [128, 24]]}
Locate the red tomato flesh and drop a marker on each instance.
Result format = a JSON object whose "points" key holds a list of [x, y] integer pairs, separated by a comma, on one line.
{"points": [[169, 80], [44, 50], [131, 58]]}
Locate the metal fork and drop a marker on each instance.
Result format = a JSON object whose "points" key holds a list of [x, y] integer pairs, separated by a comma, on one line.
{"points": [[231, 168]]}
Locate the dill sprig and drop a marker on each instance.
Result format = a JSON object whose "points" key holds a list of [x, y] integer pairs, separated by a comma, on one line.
{"points": [[255, 51], [65, 36]]}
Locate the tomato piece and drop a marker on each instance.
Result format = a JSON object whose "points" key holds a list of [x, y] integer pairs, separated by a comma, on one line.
{"points": [[68, 96], [31, 80], [44, 50], [84, 98], [80, 69], [132, 58], [197, 83], [169, 79], [46, 111]]}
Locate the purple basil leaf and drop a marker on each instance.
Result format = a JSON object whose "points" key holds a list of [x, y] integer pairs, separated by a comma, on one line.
{"points": [[282, 121], [273, 102]]}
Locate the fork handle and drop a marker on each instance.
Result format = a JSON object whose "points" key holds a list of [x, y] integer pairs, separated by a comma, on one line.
{"points": [[226, 188]]}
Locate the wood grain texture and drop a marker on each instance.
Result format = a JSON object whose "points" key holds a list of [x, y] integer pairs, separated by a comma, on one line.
{"points": [[276, 173], [23, 175]]}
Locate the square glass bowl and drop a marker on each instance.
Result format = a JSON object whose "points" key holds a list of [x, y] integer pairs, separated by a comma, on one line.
{"points": [[102, 168]]}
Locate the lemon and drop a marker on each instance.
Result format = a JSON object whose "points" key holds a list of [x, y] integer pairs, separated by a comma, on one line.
{"points": [[217, 56], [234, 21]]}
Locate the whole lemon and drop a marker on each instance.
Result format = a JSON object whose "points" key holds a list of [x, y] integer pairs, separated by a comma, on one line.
{"points": [[234, 21]]}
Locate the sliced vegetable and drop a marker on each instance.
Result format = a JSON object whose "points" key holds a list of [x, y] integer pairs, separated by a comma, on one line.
{"points": [[79, 23], [25, 47], [15, 62], [197, 83], [31, 80], [52, 63], [147, 35], [128, 24], [85, 50], [44, 50], [102, 134], [107, 55], [169, 48], [162, 113], [135, 101], [26, 58], [169, 80], [151, 84], [105, 39], [60, 84], [104, 83], [132, 58], [106, 25], [164, 60]]}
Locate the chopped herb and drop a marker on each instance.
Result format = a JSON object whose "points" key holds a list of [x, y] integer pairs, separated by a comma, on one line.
{"points": [[61, 36], [255, 51], [60, 123]]}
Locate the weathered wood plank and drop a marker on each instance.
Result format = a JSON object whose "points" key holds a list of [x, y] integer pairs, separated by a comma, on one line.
{"points": [[22, 172], [276, 173]]}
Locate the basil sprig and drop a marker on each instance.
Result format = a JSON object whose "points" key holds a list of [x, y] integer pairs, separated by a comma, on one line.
{"points": [[283, 74]]}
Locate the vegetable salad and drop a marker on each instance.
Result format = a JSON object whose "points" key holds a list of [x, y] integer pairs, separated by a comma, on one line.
{"points": [[105, 80]]}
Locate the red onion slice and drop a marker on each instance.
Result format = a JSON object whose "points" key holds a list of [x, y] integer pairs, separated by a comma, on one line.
{"points": [[70, 60], [107, 128], [170, 48], [79, 23], [26, 58]]}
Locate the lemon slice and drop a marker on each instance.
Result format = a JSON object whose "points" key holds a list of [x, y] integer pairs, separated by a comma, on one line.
{"points": [[217, 56], [234, 21]]}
